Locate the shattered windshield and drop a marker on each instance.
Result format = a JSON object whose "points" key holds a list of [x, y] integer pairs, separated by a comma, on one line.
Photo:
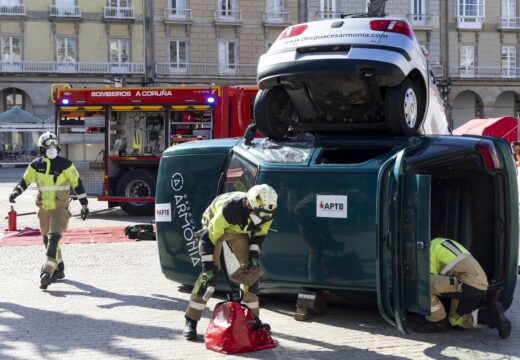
{"points": [[294, 151]]}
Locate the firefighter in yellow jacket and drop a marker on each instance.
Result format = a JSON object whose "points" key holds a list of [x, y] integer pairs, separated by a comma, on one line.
{"points": [[242, 219], [457, 276], [54, 177]]}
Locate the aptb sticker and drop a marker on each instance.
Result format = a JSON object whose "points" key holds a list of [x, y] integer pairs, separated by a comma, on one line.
{"points": [[163, 212], [331, 206]]}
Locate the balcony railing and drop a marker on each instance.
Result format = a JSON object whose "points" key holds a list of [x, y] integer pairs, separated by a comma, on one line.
{"points": [[512, 23], [437, 70], [65, 11], [12, 10], [231, 16], [202, 69], [119, 13], [78, 67], [321, 14], [277, 17], [470, 22], [177, 14], [421, 21], [484, 72]]}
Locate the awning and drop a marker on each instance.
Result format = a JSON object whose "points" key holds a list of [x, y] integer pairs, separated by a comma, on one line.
{"points": [[16, 119], [505, 127]]}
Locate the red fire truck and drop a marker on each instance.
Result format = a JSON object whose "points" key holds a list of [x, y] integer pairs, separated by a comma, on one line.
{"points": [[124, 131]]}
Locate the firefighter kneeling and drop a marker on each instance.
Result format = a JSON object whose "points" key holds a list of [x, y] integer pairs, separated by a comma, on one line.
{"points": [[456, 275], [54, 176], [242, 219]]}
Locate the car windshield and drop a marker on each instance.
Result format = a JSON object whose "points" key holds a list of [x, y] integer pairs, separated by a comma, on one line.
{"points": [[297, 151]]}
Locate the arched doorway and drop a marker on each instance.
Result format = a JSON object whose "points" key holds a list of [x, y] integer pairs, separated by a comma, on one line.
{"points": [[466, 106], [507, 104]]}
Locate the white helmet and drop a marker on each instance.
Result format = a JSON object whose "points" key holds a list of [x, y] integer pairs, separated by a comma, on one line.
{"points": [[47, 139], [263, 200]]}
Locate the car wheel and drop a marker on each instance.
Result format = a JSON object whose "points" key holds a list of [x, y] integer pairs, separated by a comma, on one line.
{"points": [[272, 112], [404, 108], [137, 183]]}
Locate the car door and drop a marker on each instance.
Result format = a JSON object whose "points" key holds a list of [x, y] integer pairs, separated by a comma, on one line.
{"points": [[403, 238]]}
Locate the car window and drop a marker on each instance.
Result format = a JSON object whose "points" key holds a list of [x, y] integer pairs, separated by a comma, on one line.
{"points": [[240, 174], [297, 151]]}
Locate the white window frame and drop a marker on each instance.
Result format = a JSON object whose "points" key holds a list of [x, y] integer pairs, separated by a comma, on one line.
{"points": [[227, 8], [467, 60], [120, 3], [178, 65], [119, 50], [11, 46], [471, 9], [10, 3], [228, 62], [66, 40], [275, 9], [508, 60], [179, 7]]}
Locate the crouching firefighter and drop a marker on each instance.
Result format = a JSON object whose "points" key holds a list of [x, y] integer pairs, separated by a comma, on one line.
{"points": [[242, 219], [456, 276], [54, 177]]}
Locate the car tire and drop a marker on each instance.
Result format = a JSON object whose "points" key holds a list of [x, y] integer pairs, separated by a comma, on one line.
{"points": [[137, 183], [272, 112], [404, 108]]}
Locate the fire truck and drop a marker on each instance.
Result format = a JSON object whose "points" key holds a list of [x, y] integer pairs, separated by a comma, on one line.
{"points": [[122, 132]]}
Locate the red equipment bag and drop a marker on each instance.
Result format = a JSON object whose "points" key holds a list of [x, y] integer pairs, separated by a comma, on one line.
{"points": [[234, 329]]}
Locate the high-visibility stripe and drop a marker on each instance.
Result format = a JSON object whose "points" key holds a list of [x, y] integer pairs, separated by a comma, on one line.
{"points": [[82, 196], [474, 316], [252, 305], [254, 247], [434, 308], [448, 245], [197, 306], [54, 188], [454, 262], [206, 258], [50, 263]]}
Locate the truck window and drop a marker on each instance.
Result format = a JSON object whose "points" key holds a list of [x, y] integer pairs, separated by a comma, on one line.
{"points": [[240, 175], [190, 125]]}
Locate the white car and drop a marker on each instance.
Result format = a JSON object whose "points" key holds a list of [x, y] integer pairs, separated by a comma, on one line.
{"points": [[357, 73]]}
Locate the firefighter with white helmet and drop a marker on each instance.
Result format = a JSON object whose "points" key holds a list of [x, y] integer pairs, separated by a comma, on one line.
{"points": [[54, 176], [242, 219]]}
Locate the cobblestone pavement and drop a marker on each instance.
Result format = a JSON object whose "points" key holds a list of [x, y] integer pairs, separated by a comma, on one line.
{"points": [[115, 303]]}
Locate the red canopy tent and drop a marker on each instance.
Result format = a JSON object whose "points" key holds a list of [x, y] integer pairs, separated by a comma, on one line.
{"points": [[505, 127]]}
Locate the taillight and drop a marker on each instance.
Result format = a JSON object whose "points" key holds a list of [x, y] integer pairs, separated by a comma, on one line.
{"points": [[395, 26], [487, 149], [292, 31], [105, 185]]}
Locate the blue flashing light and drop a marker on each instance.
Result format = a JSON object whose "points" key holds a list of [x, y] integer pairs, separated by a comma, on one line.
{"points": [[65, 101], [210, 100]]}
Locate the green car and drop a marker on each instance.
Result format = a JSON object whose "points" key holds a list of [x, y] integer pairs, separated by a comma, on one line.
{"points": [[356, 214]]}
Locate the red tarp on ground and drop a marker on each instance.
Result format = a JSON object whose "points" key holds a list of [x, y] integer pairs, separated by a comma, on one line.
{"points": [[505, 127], [70, 236]]}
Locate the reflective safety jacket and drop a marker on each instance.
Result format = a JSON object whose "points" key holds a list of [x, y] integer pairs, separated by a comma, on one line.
{"points": [[54, 179], [231, 216]]}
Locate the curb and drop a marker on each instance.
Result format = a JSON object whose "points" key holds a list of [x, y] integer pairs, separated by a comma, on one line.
{"points": [[14, 165]]}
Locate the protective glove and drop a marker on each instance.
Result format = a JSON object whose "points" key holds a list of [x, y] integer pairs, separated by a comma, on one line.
{"points": [[12, 197], [84, 212]]}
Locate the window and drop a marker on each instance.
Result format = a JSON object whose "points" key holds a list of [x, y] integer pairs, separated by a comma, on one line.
{"points": [[120, 3], [178, 7], [470, 9], [227, 56], [240, 175], [509, 13], [66, 50], [467, 60], [10, 3], [327, 8], [227, 8], [178, 58], [508, 61], [418, 11], [13, 97], [11, 48], [119, 50], [274, 9], [65, 7]]}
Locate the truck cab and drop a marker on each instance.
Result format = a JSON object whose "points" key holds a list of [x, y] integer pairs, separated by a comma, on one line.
{"points": [[356, 213]]}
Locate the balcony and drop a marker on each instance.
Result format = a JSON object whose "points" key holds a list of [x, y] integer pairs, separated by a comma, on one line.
{"points": [[277, 18], [421, 21], [229, 17], [324, 14], [437, 70], [509, 23], [65, 11], [470, 22], [485, 72], [119, 13], [205, 70], [53, 67], [12, 10], [177, 15]]}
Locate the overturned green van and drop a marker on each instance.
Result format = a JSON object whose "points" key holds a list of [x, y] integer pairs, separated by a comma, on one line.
{"points": [[356, 214]]}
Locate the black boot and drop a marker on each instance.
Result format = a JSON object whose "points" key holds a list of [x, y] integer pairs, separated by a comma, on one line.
{"points": [[59, 273], [425, 326], [494, 317], [45, 280], [190, 329]]}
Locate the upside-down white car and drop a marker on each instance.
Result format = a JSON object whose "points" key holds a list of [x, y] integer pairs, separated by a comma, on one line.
{"points": [[357, 73]]}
